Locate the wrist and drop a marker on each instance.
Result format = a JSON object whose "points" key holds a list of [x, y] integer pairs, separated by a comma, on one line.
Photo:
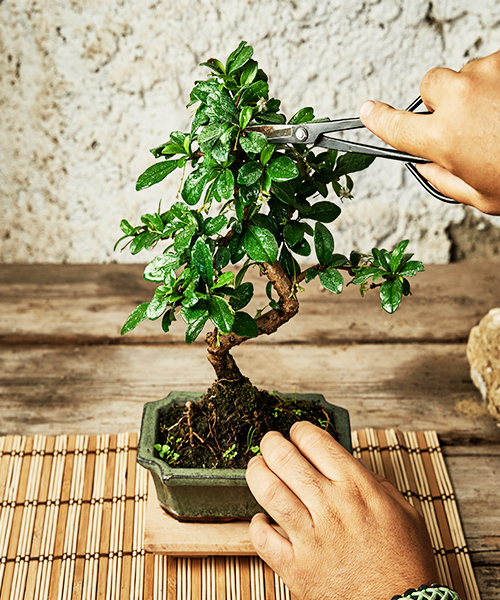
{"points": [[429, 592]]}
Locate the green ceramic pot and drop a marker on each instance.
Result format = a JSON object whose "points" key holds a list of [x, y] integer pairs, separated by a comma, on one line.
{"points": [[209, 495]]}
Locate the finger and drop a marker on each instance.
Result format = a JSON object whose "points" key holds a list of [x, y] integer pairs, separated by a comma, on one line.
{"points": [[435, 86], [288, 464], [406, 131], [270, 545], [325, 454], [456, 188], [275, 496]]}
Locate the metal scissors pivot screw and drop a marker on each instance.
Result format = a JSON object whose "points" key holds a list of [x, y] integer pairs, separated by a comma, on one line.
{"points": [[314, 133]]}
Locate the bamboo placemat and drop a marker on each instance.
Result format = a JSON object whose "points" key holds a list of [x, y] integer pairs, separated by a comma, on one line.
{"points": [[73, 510]]}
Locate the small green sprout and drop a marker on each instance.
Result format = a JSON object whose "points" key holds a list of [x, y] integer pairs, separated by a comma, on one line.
{"points": [[167, 453], [230, 453]]}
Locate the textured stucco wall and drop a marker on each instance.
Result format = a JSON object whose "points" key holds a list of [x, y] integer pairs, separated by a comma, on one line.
{"points": [[87, 86]]}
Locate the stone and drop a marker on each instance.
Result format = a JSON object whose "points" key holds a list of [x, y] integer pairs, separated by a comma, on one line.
{"points": [[483, 353]]}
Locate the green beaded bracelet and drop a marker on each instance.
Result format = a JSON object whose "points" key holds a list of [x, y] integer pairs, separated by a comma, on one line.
{"points": [[429, 592]]}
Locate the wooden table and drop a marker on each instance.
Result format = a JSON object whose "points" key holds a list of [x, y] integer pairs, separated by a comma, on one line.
{"points": [[65, 369]]}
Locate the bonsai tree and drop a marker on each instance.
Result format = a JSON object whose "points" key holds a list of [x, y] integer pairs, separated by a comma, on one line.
{"points": [[243, 203]]}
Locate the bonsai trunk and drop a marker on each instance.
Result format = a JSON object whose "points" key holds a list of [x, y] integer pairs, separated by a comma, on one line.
{"points": [[219, 346]]}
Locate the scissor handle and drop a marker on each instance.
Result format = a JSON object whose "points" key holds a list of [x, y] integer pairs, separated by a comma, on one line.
{"points": [[425, 183]]}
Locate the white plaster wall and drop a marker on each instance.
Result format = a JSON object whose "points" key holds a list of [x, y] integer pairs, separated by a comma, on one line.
{"points": [[87, 86]]}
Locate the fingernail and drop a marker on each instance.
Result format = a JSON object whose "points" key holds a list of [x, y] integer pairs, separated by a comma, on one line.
{"points": [[366, 109]]}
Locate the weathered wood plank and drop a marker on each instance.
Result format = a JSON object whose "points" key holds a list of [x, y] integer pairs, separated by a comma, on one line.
{"points": [[98, 389], [89, 303]]}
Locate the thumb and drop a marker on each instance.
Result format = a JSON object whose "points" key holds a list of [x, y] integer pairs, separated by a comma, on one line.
{"points": [[401, 129]]}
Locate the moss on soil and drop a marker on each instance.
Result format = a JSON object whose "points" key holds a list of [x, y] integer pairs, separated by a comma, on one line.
{"points": [[224, 429]]}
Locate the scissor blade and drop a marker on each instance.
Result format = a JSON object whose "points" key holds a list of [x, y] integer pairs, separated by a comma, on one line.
{"points": [[274, 133]]}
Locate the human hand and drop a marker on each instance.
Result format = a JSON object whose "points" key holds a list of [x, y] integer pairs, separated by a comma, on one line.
{"points": [[461, 137], [351, 534]]}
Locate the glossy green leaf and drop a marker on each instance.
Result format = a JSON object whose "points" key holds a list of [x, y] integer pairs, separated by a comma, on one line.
{"points": [[214, 224], [196, 327], [240, 59], [126, 227], [194, 185], [261, 245], [166, 321], [288, 262], [411, 268], [253, 142], [224, 279], [210, 134], [221, 314], [202, 261], [311, 273], [282, 168], [183, 238], [245, 116], [244, 325], [293, 232], [225, 184], [254, 92], [155, 173], [363, 274], [155, 270], [397, 255], [350, 163], [143, 241], [243, 295], [304, 115], [323, 243], [391, 292], [249, 173], [136, 316], [266, 153], [332, 280], [303, 248], [249, 72], [323, 211], [157, 307], [237, 247], [235, 53], [222, 257]]}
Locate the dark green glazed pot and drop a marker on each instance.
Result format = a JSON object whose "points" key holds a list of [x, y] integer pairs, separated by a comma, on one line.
{"points": [[209, 495]]}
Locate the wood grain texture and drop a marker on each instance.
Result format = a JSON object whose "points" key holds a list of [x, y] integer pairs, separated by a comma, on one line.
{"points": [[89, 304], [64, 368]]}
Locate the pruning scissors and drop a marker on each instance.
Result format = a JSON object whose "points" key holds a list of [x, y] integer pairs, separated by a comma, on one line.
{"points": [[314, 133]]}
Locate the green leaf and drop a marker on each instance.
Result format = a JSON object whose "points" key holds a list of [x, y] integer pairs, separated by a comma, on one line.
{"points": [[323, 211], [155, 173], [243, 295], [293, 232], [126, 227], [196, 326], [136, 316], [210, 134], [194, 185], [249, 193], [155, 270], [304, 115], [266, 153], [224, 279], [237, 247], [253, 93], [221, 314], [411, 268], [289, 264], [157, 307], [143, 241], [214, 224], [249, 173], [311, 273], [249, 72], [240, 59], [202, 261], [303, 248], [225, 184], [323, 243], [166, 321], [245, 116], [244, 325], [350, 163], [391, 292], [261, 245], [362, 274], [183, 238], [222, 257], [397, 255], [282, 168], [332, 280], [253, 142], [382, 257]]}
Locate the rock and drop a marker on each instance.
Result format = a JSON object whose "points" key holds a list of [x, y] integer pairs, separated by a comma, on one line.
{"points": [[483, 353]]}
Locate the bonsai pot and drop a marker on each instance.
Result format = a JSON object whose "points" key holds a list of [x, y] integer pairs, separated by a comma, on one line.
{"points": [[209, 495]]}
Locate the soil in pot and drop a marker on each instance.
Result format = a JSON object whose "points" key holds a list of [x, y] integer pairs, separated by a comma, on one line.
{"points": [[224, 429]]}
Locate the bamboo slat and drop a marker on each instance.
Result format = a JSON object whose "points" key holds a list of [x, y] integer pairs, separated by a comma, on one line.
{"points": [[72, 522]]}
